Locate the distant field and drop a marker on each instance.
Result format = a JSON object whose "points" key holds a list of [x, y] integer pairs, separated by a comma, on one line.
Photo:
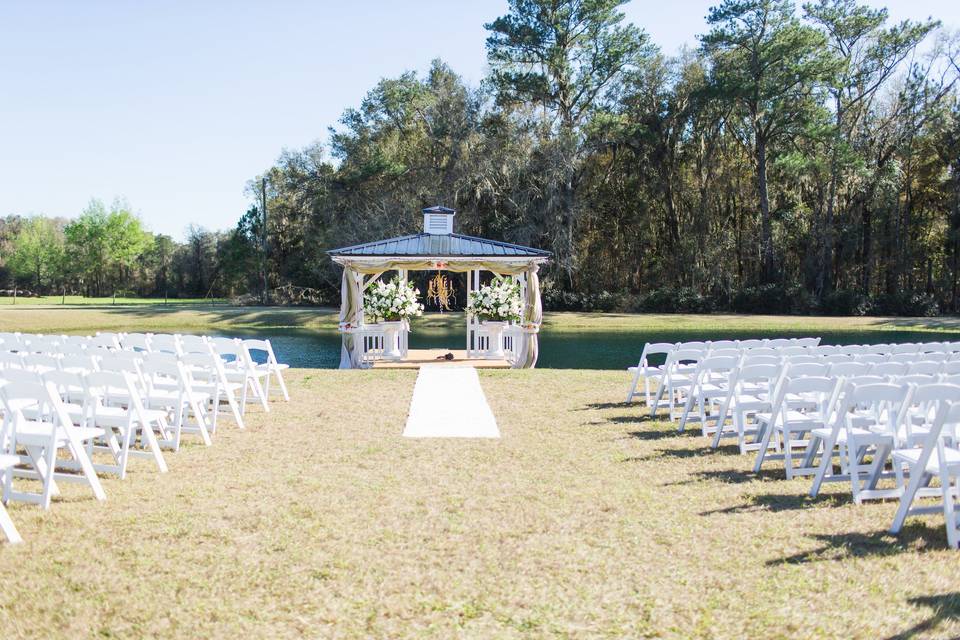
{"points": [[47, 314], [107, 300]]}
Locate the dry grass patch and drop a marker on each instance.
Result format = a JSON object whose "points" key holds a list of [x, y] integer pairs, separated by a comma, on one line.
{"points": [[585, 520]]}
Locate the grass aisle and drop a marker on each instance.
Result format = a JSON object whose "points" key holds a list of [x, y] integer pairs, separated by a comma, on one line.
{"points": [[585, 519]]}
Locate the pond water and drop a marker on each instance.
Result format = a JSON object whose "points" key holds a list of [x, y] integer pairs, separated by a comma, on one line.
{"points": [[563, 350]]}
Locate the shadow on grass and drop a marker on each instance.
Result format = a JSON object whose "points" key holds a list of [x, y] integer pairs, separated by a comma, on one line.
{"points": [[611, 405], [775, 503], [254, 317], [729, 476], [945, 607], [916, 538]]}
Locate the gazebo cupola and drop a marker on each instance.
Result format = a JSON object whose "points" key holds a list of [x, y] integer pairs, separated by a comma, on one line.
{"points": [[438, 220]]}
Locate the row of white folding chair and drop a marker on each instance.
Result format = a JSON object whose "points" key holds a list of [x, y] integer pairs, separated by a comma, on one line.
{"points": [[781, 348], [237, 354], [713, 376], [646, 371]]}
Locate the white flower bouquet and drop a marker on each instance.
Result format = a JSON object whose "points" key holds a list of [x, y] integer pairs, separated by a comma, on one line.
{"points": [[498, 301], [391, 301]]}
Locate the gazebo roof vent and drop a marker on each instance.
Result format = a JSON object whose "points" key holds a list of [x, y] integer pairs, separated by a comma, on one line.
{"points": [[438, 220]]}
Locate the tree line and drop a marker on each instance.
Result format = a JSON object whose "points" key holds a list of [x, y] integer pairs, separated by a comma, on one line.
{"points": [[106, 251], [799, 159]]}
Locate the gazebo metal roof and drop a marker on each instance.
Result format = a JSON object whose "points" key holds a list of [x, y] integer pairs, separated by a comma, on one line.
{"points": [[450, 245]]}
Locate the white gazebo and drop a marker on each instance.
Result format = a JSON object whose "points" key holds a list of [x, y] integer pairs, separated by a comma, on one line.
{"points": [[438, 248]]}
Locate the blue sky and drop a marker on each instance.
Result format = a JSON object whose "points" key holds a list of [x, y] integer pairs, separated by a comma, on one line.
{"points": [[175, 105]]}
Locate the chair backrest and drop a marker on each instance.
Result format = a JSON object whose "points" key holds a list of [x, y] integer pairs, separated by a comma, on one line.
{"points": [[819, 389], [227, 348], [720, 353], [905, 357], [808, 342], [105, 340], [837, 357], [135, 342], [79, 363], [847, 369], [751, 343], [917, 379], [872, 358], [880, 401], [763, 375], [778, 343], [70, 386], [194, 344], [16, 395], [11, 360], [719, 344], [40, 362], [694, 344], [927, 367], [761, 351], [889, 369], [952, 367], [903, 347], [794, 350], [749, 360], [826, 349], [164, 343], [805, 359], [680, 356], [807, 369], [111, 387], [201, 366]]}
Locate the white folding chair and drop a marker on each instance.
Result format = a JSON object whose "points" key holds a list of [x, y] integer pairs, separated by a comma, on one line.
{"points": [[713, 379], [270, 365], [750, 394], [648, 371], [240, 368], [865, 424], [677, 380], [210, 377], [115, 406], [786, 427], [934, 458], [168, 388], [41, 438]]}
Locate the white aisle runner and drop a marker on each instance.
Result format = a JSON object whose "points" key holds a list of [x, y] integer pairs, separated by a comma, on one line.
{"points": [[449, 403]]}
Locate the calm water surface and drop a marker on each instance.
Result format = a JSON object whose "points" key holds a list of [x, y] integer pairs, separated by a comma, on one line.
{"points": [[566, 350]]}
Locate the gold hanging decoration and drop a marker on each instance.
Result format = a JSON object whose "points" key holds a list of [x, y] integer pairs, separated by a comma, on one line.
{"points": [[440, 291]]}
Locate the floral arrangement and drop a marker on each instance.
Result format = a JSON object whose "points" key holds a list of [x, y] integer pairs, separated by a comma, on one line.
{"points": [[498, 301], [391, 301]]}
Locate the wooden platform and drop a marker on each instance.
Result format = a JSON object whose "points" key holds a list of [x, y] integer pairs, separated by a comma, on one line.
{"points": [[416, 358]]}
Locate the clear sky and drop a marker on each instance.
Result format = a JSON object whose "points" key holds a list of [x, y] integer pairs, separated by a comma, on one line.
{"points": [[176, 104]]}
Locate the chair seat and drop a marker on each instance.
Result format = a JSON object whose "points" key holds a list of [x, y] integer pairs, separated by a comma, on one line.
{"points": [[38, 433], [912, 457], [649, 372], [273, 367], [824, 433]]}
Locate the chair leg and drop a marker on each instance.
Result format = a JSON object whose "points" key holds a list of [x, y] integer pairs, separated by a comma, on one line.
{"points": [[234, 409], [283, 385], [906, 501], [8, 528], [826, 461], [86, 465]]}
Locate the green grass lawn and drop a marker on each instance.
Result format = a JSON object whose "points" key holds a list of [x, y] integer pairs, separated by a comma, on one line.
{"points": [[105, 300], [587, 519], [140, 314]]}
